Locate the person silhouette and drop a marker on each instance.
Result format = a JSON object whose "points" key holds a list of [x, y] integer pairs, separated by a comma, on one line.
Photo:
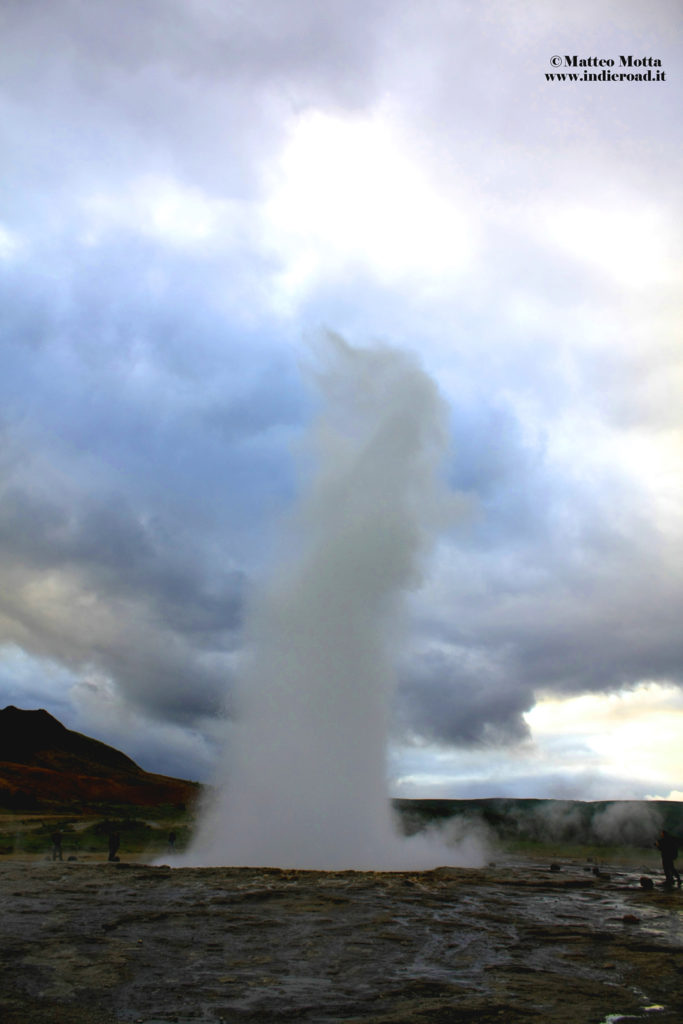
{"points": [[668, 849], [114, 842]]}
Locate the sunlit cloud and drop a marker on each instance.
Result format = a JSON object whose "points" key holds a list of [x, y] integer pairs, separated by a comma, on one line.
{"points": [[10, 245], [592, 745], [627, 240], [633, 732], [347, 193], [161, 208], [655, 459]]}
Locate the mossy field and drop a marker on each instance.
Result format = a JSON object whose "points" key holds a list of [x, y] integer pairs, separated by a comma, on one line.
{"points": [[144, 835], [87, 836]]}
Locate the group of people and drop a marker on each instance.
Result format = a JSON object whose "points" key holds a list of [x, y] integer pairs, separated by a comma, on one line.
{"points": [[112, 842]]}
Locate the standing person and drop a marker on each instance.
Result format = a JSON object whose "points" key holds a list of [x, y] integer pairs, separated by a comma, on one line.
{"points": [[113, 845], [171, 842], [668, 848], [56, 838]]}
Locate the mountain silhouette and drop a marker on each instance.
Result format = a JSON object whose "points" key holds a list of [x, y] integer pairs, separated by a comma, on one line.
{"points": [[44, 764]]}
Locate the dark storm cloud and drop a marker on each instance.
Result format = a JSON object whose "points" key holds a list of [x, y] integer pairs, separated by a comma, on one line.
{"points": [[461, 697], [117, 553], [99, 588], [588, 605]]}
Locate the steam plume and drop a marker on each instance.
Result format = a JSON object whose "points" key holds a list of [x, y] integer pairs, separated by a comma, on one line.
{"points": [[305, 779]]}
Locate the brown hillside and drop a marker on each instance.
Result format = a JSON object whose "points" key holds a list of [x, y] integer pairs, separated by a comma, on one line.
{"points": [[43, 764]]}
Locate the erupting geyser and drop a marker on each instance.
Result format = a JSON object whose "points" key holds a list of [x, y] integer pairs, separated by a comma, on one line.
{"points": [[304, 781]]}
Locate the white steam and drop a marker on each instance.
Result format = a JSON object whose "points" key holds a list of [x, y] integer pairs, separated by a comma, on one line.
{"points": [[628, 823], [305, 778]]}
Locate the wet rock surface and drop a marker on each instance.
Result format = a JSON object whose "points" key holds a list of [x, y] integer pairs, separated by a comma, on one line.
{"points": [[86, 942]]}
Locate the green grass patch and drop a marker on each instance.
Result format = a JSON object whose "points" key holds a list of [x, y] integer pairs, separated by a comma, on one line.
{"points": [[585, 855], [89, 834]]}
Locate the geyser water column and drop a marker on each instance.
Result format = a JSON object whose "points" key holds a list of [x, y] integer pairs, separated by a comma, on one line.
{"points": [[304, 780]]}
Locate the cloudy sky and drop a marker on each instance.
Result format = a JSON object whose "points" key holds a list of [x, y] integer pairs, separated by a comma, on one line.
{"points": [[192, 189]]}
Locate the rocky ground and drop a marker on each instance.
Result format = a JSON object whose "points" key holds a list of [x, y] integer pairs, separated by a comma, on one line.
{"points": [[85, 942]]}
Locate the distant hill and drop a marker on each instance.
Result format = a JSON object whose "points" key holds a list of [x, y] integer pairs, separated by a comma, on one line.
{"points": [[597, 822], [45, 765]]}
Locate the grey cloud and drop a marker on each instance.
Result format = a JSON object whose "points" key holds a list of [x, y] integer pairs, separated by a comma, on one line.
{"points": [[140, 609], [162, 392], [519, 132], [146, 441], [206, 88], [579, 784], [591, 607], [203, 40], [201, 88], [638, 389], [590, 627], [558, 582], [461, 697]]}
